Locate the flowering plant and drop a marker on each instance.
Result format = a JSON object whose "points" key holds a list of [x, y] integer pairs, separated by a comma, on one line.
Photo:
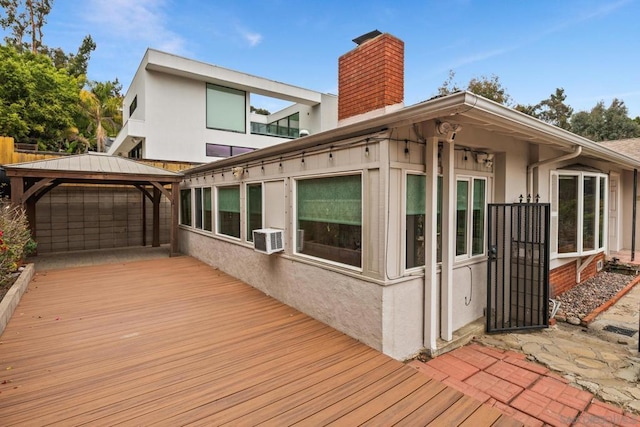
{"points": [[15, 239]]}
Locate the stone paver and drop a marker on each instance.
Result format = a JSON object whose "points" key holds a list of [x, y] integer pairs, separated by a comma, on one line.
{"points": [[603, 363]]}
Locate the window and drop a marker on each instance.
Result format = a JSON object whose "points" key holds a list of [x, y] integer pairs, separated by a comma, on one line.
{"points": [[329, 218], [203, 208], [415, 215], [254, 209], [136, 152], [220, 150], [133, 105], [226, 108], [471, 194], [229, 211], [198, 200], [578, 212], [185, 206]]}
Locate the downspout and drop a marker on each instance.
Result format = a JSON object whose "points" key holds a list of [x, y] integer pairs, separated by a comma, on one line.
{"points": [[576, 152], [633, 215]]}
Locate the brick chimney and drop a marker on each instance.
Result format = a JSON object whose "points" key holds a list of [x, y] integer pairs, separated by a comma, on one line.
{"points": [[371, 77]]}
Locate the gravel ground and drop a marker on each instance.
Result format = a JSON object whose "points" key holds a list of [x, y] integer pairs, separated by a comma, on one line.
{"points": [[589, 295]]}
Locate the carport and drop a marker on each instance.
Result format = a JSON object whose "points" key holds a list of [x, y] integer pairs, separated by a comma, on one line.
{"points": [[30, 181]]}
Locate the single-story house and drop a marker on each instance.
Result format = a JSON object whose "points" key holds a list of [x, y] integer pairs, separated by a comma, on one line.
{"points": [[393, 224]]}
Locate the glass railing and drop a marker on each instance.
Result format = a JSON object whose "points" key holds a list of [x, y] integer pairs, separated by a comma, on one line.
{"points": [[274, 130]]}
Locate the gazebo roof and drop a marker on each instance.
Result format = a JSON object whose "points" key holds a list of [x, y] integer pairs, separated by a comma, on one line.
{"points": [[93, 166]]}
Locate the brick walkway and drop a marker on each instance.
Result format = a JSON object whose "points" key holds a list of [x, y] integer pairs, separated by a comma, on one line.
{"points": [[528, 392]]}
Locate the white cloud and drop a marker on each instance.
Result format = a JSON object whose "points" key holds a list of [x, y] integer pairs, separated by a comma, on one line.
{"points": [[250, 37], [140, 21]]}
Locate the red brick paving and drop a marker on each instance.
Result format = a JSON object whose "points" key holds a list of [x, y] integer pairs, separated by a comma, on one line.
{"points": [[524, 390]]}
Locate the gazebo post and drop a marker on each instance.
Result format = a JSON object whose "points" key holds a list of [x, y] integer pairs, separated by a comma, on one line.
{"points": [[173, 230], [155, 241]]}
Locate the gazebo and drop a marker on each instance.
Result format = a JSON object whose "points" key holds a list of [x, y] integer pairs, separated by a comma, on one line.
{"points": [[32, 180]]}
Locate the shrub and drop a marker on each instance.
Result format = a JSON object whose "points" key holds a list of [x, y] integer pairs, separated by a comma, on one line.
{"points": [[15, 239]]}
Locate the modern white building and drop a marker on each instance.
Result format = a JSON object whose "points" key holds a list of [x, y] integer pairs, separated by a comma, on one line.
{"points": [[185, 110]]}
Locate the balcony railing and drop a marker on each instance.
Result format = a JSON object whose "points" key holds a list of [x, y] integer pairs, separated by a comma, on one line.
{"points": [[274, 130]]}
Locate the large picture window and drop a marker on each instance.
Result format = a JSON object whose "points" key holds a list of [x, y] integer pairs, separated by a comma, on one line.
{"points": [[471, 201], [329, 218], [185, 206], [254, 209], [578, 210], [229, 211], [226, 108]]}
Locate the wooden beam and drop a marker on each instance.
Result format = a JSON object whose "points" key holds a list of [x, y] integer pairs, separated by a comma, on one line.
{"points": [[143, 191], [36, 187], [159, 186], [17, 190], [173, 229], [144, 218], [155, 238]]}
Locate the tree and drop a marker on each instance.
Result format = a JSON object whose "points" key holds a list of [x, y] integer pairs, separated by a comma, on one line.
{"points": [[38, 103], [25, 18], [552, 110], [605, 124], [488, 87], [101, 107], [75, 64]]}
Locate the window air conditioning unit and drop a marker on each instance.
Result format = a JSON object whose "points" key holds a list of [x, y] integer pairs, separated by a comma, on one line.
{"points": [[268, 240]]}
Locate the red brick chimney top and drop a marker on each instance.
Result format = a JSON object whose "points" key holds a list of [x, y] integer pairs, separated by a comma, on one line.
{"points": [[371, 76]]}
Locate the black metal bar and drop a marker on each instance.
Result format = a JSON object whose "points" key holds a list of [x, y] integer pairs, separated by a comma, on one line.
{"points": [[490, 262], [504, 258], [633, 215]]}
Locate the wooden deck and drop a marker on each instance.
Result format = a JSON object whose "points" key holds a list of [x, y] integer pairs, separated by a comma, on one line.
{"points": [[175, 342]]}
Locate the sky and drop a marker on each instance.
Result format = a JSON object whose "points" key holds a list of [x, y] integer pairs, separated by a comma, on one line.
{"points": [[588, 47]]}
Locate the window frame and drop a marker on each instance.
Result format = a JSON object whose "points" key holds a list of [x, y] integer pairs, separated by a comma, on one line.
{"points": [[189, 206], [247, 208], [469, 232], [296, 236], [218, 221], [601, 208]]}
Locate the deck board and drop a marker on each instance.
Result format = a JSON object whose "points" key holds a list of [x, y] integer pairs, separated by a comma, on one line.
{"points": [[176, 342]]}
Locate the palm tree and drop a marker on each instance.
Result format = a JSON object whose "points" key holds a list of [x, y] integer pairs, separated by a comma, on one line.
{"points": [[101, 106]]}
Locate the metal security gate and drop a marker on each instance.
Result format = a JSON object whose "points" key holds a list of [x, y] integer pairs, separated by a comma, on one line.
{"points": [[518, 267]]}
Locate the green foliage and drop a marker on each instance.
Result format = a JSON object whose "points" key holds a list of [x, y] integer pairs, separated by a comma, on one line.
{"points": [[15, 239], [262, 111], [605, 124], [100, 106], [552, 110], [488, 87], [37, 101], [75, 64]]}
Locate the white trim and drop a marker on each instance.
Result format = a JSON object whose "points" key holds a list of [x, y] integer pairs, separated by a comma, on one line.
{"points": [[470, 179]]}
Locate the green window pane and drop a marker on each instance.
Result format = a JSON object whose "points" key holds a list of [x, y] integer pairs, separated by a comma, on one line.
{"points": [[479, 196], [206, 201], [416, 189], [226, 108], [335, 200], [254, 209], [330, 218], [603, 189], [415, 239], [589, 213], [229, 199], [229, 211], [567, 213], [198, 201], [462, 203], [185, 207]]}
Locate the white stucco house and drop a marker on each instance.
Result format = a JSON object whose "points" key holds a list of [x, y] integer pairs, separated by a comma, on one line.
{"points": [[389, 226], [185, 110]]}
